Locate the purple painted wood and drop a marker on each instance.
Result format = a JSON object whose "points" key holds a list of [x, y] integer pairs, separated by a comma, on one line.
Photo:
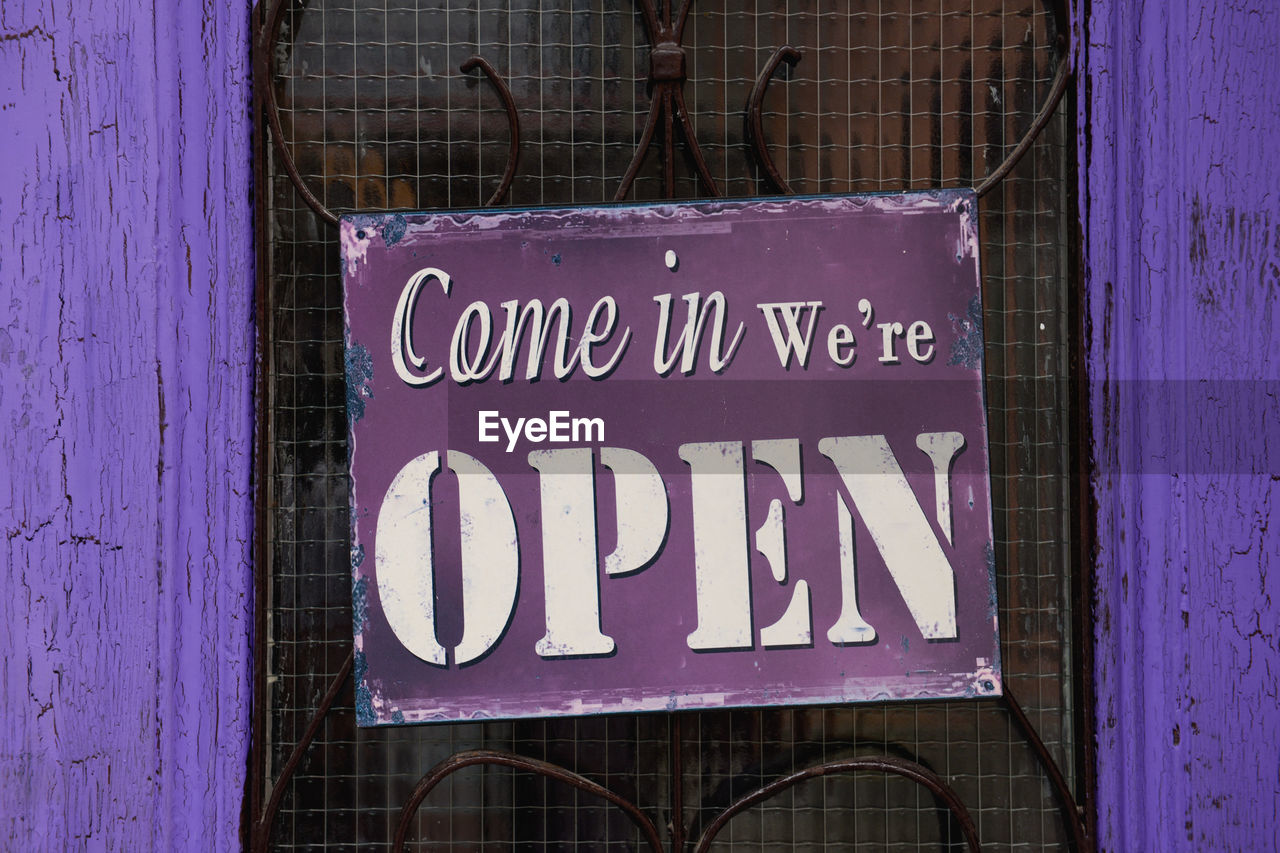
{"points": [[1181, 214], [126, 358], [125, 361]]}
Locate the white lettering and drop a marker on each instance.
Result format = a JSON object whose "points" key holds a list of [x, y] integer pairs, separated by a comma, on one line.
{"points": [[686, 346], [888, 353], [513, 433], [590, 337], [405, 560], [592, 429], [566, 357], [920, 333], [488, 423], [942, 448], [841, 345], [538, 321], [795, 626], [462, 368], [570, 574], [850, 627], [402, 328], [510, 342], [792, 341], [873, 486], [641, 508], [898, 526], [559, 427], [720, 561]]}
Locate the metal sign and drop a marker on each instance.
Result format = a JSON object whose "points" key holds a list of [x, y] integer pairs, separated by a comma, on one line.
{"points": [[667, 457]]}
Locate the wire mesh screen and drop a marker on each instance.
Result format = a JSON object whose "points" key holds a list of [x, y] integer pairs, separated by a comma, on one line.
{"points": [[375, 113]]}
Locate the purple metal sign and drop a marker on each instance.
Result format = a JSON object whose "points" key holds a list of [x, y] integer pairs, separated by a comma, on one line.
{"points": [[678, 456]]}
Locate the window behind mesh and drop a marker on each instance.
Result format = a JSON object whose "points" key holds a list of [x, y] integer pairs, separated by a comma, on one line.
{"points": [[376, 114]]}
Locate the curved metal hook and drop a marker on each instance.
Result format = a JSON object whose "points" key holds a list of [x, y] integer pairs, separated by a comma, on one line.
{"points": [[267, 38], [1064, 74], [513, 122], [262, 829], [755, 123], [459, 760], [788, 54], [1070, 813], [646, 139], [911, 770], [1037, 124], [699, 162]]}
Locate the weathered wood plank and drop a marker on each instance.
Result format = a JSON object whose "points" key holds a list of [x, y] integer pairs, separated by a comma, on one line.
{"points": [[125, 398], [1181, 203]]}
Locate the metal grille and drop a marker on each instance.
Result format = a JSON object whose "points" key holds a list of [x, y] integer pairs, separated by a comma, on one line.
{"points": [[376, 114]]}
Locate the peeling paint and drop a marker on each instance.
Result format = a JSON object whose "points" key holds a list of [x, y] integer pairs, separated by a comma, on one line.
{"points": [[126, 279], [360, 603], [359, 370], [1178, 203], [966, 349], [993, 606], [393, 228], [967, 244], [692, 217], [355, 235], [365, 715]]}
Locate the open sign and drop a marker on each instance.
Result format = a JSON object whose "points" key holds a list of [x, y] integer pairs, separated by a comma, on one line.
{"points": [[643, 458]]}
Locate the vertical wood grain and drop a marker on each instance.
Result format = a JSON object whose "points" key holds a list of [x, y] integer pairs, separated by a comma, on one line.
{"points": [[126, 360], [1180, 192], [125, 381]]}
